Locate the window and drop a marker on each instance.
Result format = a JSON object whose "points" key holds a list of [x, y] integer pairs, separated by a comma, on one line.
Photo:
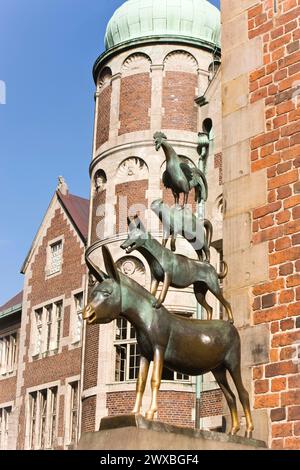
{"points": [[78, 299], [128, 355], [42, 418], [48, 322], [39, 330], [4, 421], [74, 412], [127, 352], [55, 260], [8, 354], [170, 375]]}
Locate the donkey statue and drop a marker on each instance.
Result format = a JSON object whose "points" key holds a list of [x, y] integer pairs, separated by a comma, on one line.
{"points": [[190, 347]]}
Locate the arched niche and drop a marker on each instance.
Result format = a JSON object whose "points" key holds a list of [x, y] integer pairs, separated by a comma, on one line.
{"points": [[104, 78], [180, 61], [136, 63]]}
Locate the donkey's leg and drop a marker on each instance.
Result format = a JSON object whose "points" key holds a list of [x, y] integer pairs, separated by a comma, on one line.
{"points": [[164, 291], [141, 384], [200, 296], [235, 372], [220, 376], [158, 364]]}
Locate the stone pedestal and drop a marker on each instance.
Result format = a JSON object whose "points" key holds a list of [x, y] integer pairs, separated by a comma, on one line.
{"points": [[134, 432]]}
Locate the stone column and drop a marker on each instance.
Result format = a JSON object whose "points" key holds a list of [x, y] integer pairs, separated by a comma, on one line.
{"points": [[243, 191], [115, 107], [156, 99]]}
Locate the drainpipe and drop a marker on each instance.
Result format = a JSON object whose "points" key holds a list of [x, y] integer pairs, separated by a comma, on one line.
{"points": [[203, 151]]}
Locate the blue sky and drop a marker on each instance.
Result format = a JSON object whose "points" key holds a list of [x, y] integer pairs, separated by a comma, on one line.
{"points": [[47, 49]]}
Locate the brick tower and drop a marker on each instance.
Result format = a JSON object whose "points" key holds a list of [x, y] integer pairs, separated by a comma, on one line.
{"points": [[160, 59]]}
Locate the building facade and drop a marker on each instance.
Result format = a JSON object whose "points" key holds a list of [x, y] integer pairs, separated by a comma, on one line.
{"points": [[161, 72], [260, 79], [41, 334]]}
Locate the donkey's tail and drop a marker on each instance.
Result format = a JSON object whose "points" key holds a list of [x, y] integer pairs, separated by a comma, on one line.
{"points": [[224, 272], [209, 231]]}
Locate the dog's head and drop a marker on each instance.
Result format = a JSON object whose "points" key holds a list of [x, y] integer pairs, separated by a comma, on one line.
{"points": [[137, 235]]}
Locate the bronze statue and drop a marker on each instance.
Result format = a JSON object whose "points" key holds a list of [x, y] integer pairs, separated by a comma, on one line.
{"points": [[191, 347], [176, 270], [197, 232], [179, 176]]}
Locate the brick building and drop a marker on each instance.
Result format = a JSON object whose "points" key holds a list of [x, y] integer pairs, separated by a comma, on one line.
{"points": [[41, 334], [160, 71]]}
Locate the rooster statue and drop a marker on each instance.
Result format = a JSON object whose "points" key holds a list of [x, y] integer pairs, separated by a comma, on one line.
{"points": [[179, 176]]}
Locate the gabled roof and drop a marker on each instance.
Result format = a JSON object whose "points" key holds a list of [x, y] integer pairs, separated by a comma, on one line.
{"points": [[78, 210], [12, 306]]}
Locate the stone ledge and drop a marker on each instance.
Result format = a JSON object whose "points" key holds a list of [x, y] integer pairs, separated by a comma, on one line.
{"points": [[134, 432]]}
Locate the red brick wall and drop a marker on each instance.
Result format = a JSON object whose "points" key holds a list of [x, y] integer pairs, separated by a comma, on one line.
{"points": [[90, 376], [135, 103], [173, 407], [99, 200], [8, 390], [103, 118], [277, 302], [88, 423], [135, 191], [68, 362], [179, 93]]}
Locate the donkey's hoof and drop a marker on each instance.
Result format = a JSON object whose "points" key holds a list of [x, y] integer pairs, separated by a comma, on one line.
{"points": [[234, 431], [249, 432], [150, 415], [231, 320]]}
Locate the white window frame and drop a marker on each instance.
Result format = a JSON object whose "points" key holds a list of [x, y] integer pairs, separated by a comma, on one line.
{"points": [[126, 343], [8, 353], [74, 408], [43, 423], [51, 270], [47, 328], [77, 317], [5, 414]]}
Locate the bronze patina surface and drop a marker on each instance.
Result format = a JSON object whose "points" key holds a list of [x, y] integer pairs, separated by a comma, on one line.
{"points": [[188, 346], [179, 176], [176, 270], [198, 233]]}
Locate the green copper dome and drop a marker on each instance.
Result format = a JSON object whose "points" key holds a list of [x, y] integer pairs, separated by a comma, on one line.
{"points": [[196, 21]]}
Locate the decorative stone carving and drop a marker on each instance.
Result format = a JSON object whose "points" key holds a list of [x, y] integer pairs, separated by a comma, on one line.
{"points": [[181, 61], [62, 186], [133, 267], [104, 78], [100, 181], [136, 63], [132, 168]]}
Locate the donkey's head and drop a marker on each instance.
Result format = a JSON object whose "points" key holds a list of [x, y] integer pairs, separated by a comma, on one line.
{"points": [[105, 299], [137, 235]]}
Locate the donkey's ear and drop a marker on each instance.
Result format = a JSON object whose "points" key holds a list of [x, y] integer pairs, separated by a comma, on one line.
{"points": [[139, 224], [131, 224], [93, 269], [110, 265]]}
